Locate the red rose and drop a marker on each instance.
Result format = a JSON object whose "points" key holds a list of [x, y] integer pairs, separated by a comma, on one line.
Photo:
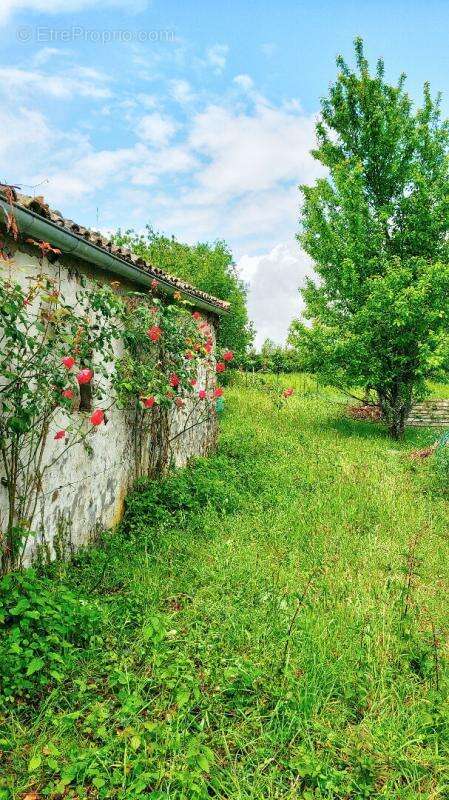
{"points": [[149, 401], [202, 394], [97, 417], [218, 392], [59, 435], [228, 356], [196, 315], [68, 361], [220, 366], [85, 376], [155, 333], [68, 394], [174, 380], [208, 347]]}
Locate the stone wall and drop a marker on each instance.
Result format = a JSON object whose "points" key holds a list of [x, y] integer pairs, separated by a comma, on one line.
{"points": [[84, 491]]}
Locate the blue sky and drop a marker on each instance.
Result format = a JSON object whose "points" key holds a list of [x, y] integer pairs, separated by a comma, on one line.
{"points": [[196, 117]]}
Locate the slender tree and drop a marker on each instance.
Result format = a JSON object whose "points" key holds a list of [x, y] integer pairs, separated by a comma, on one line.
{"points": [[377, 230]]}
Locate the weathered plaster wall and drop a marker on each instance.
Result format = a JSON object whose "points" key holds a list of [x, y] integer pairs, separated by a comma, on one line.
{"points": [[84, 491]]}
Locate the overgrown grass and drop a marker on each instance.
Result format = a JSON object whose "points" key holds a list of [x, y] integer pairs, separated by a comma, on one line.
{"points": [[273, 624]]}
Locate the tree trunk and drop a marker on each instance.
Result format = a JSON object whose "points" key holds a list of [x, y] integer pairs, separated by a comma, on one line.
{"points": [[395, 410]]}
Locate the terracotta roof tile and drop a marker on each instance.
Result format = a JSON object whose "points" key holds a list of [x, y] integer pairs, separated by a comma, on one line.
{"points": [[42, 209]]}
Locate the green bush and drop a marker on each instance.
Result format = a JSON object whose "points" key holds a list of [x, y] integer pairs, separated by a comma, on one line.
{"points": [[205, 483], [41, 625]]}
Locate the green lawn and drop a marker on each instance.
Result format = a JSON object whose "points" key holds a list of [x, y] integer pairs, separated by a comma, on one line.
{"points": [[290, 640]]}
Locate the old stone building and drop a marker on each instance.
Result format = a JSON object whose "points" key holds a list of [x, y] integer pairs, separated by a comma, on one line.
{"points": [[85, 491]]}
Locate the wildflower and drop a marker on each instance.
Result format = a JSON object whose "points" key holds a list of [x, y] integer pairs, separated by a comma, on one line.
{"points": [[97, 417], [288, 392], [220, 366], [208, 348], [170, 395], [68, 394], [149, 401], [68, 361], [179, 402], [218, 392], [177, 296], [155, 333], [59, 435], [202, 394], [193, 381], [196, 315], [84, 376], [228, 356], [154, 284], [189, 355], [174, 380]]}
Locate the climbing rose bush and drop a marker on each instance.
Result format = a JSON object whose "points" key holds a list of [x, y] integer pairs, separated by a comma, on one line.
{"points": [[52, 351], [166, 346], [48, 347]]}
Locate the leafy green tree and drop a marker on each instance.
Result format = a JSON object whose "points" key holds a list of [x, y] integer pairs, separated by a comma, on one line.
{"points": [[209, 267], [272, 358], [377, 229]]}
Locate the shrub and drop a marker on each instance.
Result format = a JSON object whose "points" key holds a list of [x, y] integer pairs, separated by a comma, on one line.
{"points": [[205, 483], [41, 625]]}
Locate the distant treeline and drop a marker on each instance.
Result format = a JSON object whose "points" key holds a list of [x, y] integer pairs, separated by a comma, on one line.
{"points": [[271, 358]]}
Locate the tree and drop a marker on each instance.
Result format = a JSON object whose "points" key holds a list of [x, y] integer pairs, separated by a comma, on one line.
{"points": [[377, 229], [209, 267]]}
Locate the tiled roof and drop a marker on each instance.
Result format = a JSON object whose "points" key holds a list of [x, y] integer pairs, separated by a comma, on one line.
{"points": [[38, 206]]}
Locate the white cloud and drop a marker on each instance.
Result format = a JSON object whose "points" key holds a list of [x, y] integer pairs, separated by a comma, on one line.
{"points": [[252, 151], [162, 161], [245, 82], [146, 100], [217, 55], [93, 171], [273, 298], [61, 86], [181, 91], [31, 150], [9, 7], [244, 187], [45, 54], [20, 131], [156, 128]]}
